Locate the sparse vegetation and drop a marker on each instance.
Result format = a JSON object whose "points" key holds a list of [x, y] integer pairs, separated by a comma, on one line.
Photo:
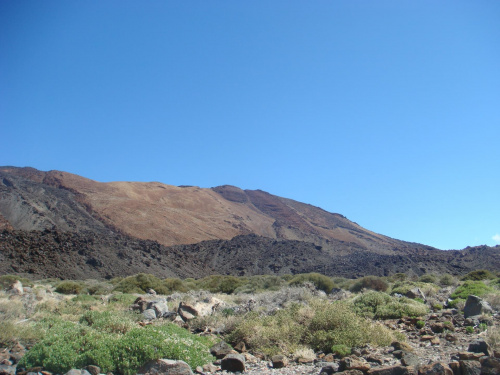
{"points": [[477, 288], [82, 323]]}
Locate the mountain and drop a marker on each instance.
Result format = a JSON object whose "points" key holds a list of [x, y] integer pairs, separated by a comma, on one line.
{"points": [[201, 231]]}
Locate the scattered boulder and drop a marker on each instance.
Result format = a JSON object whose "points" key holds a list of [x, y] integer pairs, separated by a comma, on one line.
{"points": [[329, 368], [233, 363], [221, 349], [186, 311], [77, 372], [7, 370], [436, 368], [470, 368], [476, 306], [94, 370], [480, 346], [16, 289], [410, 359], [391, 370], [415, 293], [490, 366], [159, 306], [165, 367], [149, 314], [279, 361], [354, 363]]}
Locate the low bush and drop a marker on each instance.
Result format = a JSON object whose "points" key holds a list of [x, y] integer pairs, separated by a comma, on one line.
{"points": [[404, 287], [140, 283], [341, 350], [370, 282], [261, 283], [321, 325], [7, 280], [69, 345], [70, 287], [220, 283], [428, 278], [477, 288], [380, 305], [479, 275], [447, 280], [321, 282]]}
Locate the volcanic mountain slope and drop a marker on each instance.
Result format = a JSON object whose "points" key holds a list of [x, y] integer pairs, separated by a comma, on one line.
{"points": [[56, 224], [35, 200]]}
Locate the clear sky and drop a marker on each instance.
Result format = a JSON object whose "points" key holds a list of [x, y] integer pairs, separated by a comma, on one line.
{"points": [[387, 112]]}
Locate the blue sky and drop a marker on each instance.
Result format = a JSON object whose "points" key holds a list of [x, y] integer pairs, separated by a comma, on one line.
{"points": [[387, 112]]}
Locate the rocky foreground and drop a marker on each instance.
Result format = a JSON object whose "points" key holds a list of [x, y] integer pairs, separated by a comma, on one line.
{"points": [[447, 341]]}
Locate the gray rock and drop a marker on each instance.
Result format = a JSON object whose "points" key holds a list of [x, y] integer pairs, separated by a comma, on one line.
{"points": [[233, 363], [165, 367], [149, 314], [186, 311], [279, 361], [415, 293], [220, 350], [7, 370], [476, 306], [329, 368], [470, 368], [436, 368], [390, 370], [490, 366], [480, 346], [160, 307], [94, 370], [77, 372], [16, 289], [410, 359]]}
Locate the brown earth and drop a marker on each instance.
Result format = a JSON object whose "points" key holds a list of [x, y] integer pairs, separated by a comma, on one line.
{"points": [[172, 215]]}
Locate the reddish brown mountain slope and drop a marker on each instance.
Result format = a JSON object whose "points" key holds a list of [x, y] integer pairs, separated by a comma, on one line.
{"points": [[175, 215]]}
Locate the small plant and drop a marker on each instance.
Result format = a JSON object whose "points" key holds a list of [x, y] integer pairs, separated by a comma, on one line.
{"points": [[437, 306], [479, 275], [320, 281], [483, 327], [70, 287], [341, 350], [477, 288], [447, 280], [370, 282], [428, 278], [420, 324], [469, 329]]}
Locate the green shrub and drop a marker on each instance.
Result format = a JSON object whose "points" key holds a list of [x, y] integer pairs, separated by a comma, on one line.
{"points": [[320, 281], [477, 288], [140, 283], [420, 324], [320, 326], [437, 306], [469, 329], [404, 287], [110, 322], [175, 285], [456, 303], [67, 345], [447, 280], [220, 283], [370, 282], [382, 306], [7, 280], [260, 283], [479, 275], [70, 287], [428, 278], [341, 350]]}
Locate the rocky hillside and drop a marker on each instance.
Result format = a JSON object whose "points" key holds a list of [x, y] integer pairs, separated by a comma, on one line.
{"points": [[55, 224], [172, 215]]}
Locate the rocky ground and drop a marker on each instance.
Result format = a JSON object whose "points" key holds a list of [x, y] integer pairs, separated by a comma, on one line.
{"points": [[446, 341]]}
